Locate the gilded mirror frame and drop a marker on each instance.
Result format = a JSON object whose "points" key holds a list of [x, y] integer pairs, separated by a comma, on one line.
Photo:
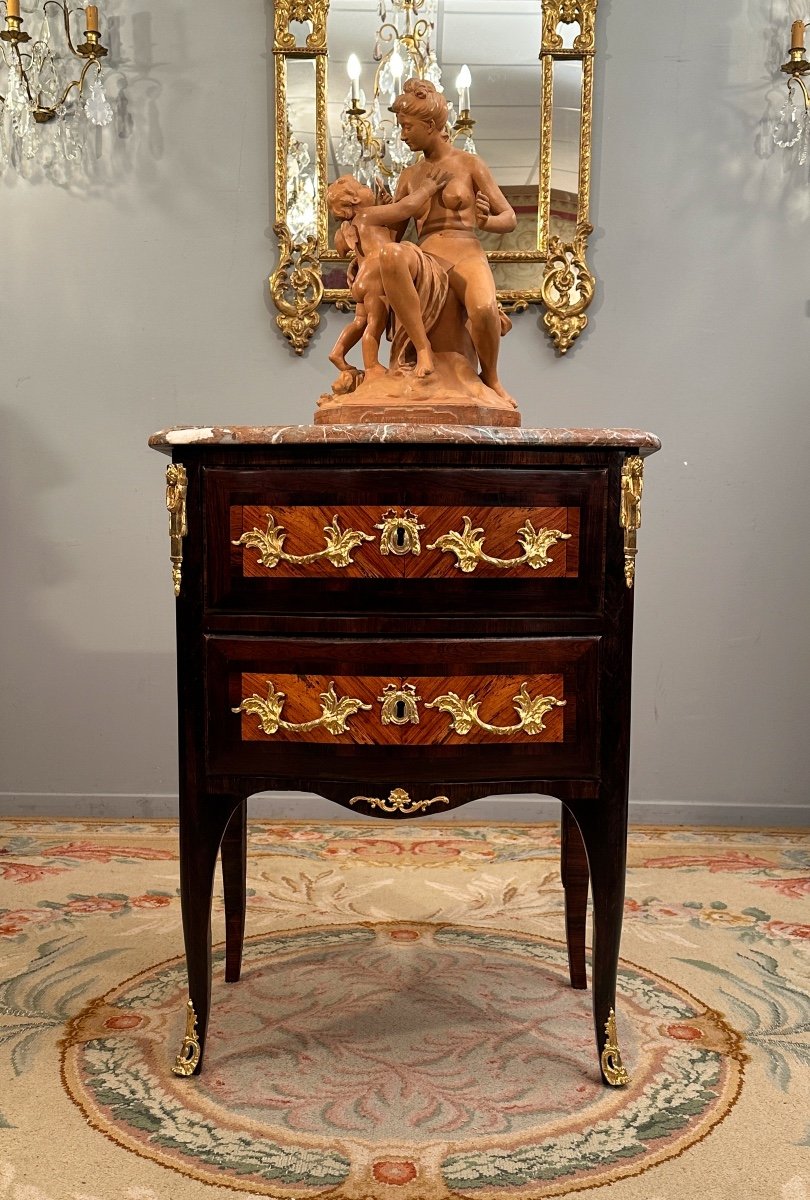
{"points": [[567, 285]]}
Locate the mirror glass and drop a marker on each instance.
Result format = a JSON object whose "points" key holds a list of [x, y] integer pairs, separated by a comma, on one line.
{"points": [[499, 41], [301, 142], [519, 93], [566, 123]]}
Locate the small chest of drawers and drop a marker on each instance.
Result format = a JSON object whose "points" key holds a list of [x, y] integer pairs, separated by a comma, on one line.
{"points": [[404, 619]]}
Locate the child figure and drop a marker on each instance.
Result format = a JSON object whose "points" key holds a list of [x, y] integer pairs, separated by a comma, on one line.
{"points": [[366, 230]]}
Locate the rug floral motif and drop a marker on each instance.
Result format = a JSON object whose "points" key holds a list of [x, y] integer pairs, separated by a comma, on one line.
{"points": [[404, 1028], [371, 1057]]}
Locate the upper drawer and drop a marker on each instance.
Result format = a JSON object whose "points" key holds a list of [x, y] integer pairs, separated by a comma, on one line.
{"points": [[437, 541]]}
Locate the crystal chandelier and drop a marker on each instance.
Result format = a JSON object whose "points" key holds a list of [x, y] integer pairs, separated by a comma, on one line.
{"points": [[302, 212], [44, 111], [792, 129], [370, 144]]}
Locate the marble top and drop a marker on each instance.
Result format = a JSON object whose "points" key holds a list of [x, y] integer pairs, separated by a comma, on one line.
{"points": [[268, 435]]}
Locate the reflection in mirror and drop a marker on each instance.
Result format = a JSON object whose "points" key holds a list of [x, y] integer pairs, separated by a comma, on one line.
{"points": [[300, 31], [566, 122], [494, 44], [302, 214], [565, 126], [519, 76]]}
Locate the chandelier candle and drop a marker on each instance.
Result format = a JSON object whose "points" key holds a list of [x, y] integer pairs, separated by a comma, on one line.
{"points": [[91, 15], [353, 71], [12, 8], [463, 81], [397, 68]]}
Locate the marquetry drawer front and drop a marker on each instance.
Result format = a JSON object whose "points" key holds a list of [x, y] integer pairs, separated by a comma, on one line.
{"points": [[276, 544], [399, 712], [373, 543], [517, 702]]}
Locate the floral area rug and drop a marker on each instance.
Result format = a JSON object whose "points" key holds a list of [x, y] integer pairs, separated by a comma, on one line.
{"points": [[404, 1028]]}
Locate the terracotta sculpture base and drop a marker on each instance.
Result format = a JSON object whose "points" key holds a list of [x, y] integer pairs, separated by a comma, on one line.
{"points": [[452, 395]]}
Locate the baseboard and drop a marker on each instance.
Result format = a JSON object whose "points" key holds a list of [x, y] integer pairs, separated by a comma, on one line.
{"points": [[304, 806]]}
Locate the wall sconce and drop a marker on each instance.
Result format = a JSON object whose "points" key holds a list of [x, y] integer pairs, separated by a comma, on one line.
{"points": [[40, 119], [792, 129]]}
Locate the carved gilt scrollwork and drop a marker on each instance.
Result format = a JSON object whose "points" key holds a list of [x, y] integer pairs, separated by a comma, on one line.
{"points": [[569, 12], [567, 289], [464, 713], [296, 285], [568, 286], [297, 288], [300, 10], [335, 711], [399, 802], [468, 547]]}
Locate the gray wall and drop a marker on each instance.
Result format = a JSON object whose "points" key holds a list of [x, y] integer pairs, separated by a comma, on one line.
{"points": [[138, 302]]}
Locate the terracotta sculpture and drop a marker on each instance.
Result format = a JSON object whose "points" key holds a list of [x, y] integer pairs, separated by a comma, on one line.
{"points": [[367, 233], [437, 297]]}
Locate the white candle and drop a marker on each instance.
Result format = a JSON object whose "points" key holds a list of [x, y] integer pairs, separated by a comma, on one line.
{"points": [[353, 69], [397, 67], [463, 81]]}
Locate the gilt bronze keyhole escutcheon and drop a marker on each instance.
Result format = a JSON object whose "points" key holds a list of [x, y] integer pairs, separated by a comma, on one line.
{"points": [[399, 704], [399, 533]]}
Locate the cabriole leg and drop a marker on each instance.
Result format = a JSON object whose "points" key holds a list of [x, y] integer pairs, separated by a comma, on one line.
{"points": [[234, 880], [604, 832], [574, 873], [203, 820]]}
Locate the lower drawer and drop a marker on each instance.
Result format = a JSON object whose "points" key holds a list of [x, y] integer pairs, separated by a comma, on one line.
{"points": [[449, 710]]}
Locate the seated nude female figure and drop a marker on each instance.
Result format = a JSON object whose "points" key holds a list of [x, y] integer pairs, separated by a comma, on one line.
{"points": [[446, 224], [367, 232]]}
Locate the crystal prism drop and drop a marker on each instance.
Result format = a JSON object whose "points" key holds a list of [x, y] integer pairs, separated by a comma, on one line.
{"points": [[48, 150], [788, 128], [387, 78], [805, 142], [5, 151], [96, 106], [29, 143], [21, 121], [72, 132], [433, 73]]}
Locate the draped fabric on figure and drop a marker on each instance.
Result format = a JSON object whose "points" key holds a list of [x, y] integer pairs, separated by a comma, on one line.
{"points": [[432, 286]]}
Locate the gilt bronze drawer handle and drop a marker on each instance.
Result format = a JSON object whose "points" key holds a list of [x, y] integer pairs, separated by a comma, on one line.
{"points": [[468, 547], [399, 801], [176, 489], [334, 716], [400, 533], [464, 713], [270, 544]]}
